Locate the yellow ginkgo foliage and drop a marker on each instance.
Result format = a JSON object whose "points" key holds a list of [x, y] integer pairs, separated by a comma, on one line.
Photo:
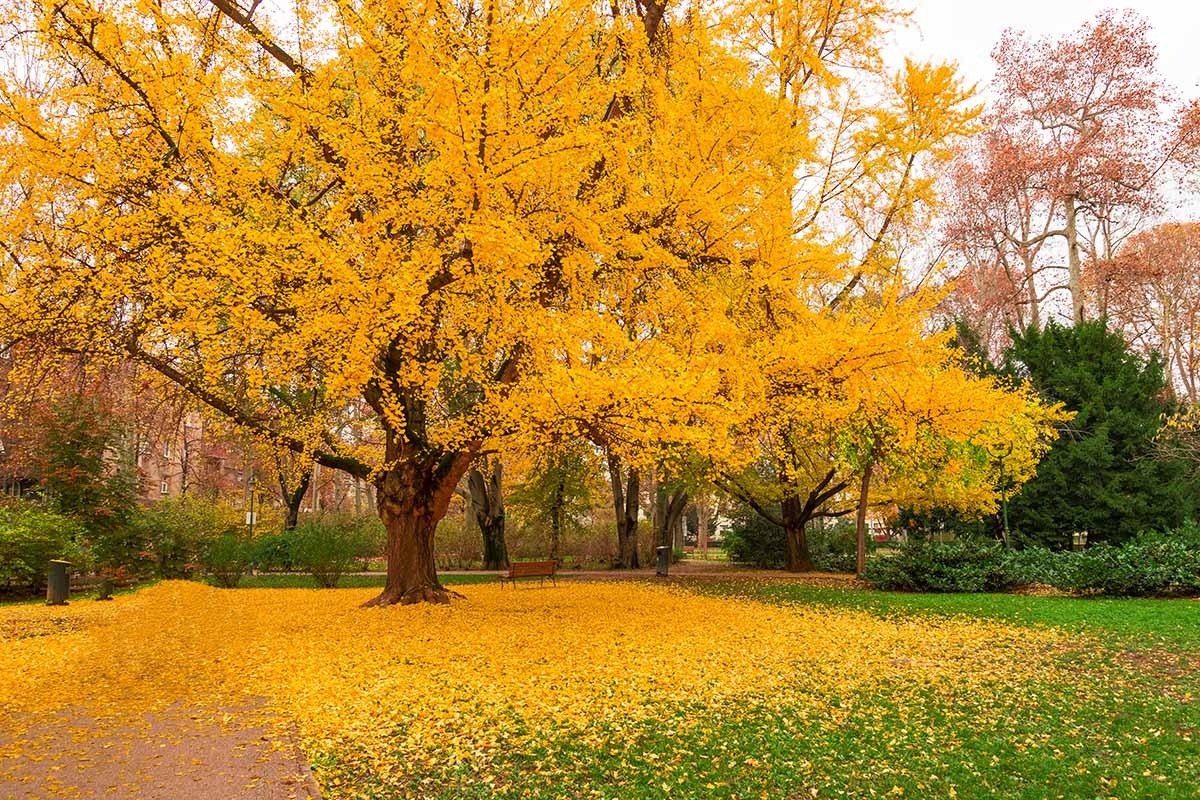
{"points": [[482, 221]]}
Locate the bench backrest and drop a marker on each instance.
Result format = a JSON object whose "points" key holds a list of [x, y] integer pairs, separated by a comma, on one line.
{"points": [[526, 569]]}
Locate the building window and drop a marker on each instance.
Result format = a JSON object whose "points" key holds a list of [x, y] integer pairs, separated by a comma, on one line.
{"points": [[164, 488], [167, 450]]}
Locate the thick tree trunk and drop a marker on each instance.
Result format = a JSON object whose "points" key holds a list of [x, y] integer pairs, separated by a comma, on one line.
{"points": [[702, 523], [412, 498], [487, 503], [795, 522], [864, 490], [626, 504]]}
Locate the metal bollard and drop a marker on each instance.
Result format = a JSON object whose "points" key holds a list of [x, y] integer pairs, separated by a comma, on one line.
{"points": [[57, 583], [663, 556]]}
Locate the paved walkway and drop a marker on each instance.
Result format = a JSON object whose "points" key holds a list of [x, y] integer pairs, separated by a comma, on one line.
{"points": [[688, 568], [176, 754]]}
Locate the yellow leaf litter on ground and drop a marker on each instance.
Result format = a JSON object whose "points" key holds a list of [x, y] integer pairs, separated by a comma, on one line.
{"points": [[453, 678]]}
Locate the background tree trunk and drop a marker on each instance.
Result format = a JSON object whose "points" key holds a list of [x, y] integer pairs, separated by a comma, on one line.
{"points": [[557, 501], [668, 514], [485, 481], [626, 502], [864, 490], [294, 498], [1074, 268]]}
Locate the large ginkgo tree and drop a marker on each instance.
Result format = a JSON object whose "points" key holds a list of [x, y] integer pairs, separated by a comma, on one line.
{"points": [[489, 221]]}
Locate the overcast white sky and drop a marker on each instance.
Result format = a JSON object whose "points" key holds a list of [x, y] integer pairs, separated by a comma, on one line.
{"points": [[965, 31]]}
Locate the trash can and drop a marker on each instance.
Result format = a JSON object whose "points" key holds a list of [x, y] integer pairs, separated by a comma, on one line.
{"points": [[663, 555], [57, 583]]}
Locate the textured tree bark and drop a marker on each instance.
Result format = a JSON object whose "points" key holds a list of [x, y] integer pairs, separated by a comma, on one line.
{"points": [[487, 502], [1031, 291], [795, 524], [294, 498], [1074, 268], [412, 499], [668, 513], [556, 519], [626, 505]]}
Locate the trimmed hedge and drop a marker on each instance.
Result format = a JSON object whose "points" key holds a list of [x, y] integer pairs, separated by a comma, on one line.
{"points": [[1148, 566], [959, 565]]}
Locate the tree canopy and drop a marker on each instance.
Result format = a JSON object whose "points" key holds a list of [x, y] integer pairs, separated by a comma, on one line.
{"points": [[671, 231]]}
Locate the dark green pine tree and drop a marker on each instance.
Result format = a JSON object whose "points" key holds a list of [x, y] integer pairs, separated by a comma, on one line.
{"points": [[1100, 476]]}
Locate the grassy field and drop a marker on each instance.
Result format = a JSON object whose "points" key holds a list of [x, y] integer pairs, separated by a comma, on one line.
{"points": [[625, 690], [1172, 623]]}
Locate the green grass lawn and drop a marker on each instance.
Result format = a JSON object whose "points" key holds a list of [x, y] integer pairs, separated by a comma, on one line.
{"points": [[1169, 622]]}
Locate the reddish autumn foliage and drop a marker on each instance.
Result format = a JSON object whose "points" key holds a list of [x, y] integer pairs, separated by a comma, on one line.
{"points": [[1070, 165], [1151, 293]]}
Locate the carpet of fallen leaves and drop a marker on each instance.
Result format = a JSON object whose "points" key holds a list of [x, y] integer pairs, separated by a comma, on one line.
{"points": [[406, 693]]}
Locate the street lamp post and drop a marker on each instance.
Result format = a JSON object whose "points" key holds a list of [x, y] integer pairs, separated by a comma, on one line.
{"points": [[250, 512]]}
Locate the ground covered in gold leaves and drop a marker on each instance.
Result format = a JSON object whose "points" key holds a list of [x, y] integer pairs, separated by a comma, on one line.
{"points": [[621, 690]]}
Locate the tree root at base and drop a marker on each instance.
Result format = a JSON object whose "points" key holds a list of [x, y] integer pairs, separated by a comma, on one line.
{"points": [[426, 593]]}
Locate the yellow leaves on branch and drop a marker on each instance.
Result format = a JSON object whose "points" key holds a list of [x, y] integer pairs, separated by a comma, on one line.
{"points": [[504, 222], [414, 688]]}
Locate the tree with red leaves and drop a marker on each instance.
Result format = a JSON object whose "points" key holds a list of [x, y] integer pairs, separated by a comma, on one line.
{"points": [[1069, 167], [1153, 291]]}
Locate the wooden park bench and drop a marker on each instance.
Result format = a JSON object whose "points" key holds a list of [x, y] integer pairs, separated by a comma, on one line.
{"points": [[530, 569]]}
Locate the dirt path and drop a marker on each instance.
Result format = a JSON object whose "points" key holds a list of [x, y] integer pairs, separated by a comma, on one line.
{"points": [[176, 754]]}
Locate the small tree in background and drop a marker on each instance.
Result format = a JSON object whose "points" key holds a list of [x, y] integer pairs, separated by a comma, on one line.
{"points": [[557, 490], [1100, 475], [86, 473]]}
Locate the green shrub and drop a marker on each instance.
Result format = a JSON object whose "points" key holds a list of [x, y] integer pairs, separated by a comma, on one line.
{"points": [[960, 565], [181, 533], [1037, 565], [1147, 566], [227, 556], [329, 548], [834, 549], [29, 539], [272, 552], [750, 539], [457, 546], [1150, 565]]}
